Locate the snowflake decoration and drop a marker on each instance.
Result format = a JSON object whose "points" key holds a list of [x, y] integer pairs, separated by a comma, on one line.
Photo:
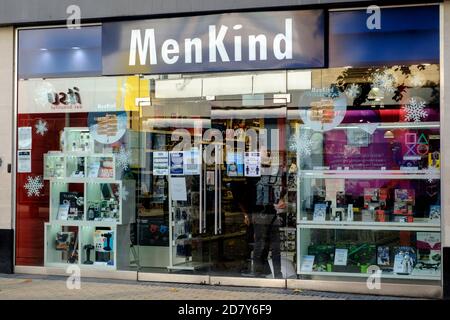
{"points": [[333, 92], [123, 158], [292, 143], [353, 91], [417, 81], [125, 193], [415, 110], [34, 186], [384, 81], [41, 127], [431, 173], [43, 94], [304, 144]]}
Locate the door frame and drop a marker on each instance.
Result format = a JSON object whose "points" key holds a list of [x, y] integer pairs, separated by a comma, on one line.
{"points": [[207, 277]]}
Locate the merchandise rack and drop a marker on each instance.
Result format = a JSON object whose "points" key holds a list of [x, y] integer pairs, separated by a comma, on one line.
{"points": [[83, 229], [305, 226]]}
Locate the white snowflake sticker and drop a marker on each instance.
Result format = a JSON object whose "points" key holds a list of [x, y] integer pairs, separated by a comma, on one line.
{"points": [[41, 127], [34, 186], [353, 91], [384, 81], [125, 193], [123, 158], [304, 144], [431, 174], [415, 110]]}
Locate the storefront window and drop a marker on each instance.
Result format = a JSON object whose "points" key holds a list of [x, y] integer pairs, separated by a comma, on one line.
{"points": [[366, 168], [322, 173], [75, 193]]}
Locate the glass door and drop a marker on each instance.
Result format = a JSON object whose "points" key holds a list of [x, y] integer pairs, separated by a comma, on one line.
{"points": [[245, 153], [172, 218], [212, 182]]}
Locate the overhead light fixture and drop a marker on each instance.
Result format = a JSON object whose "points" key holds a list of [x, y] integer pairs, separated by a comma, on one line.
{"points": [[76, 48], [43, 49], [389, 135]]}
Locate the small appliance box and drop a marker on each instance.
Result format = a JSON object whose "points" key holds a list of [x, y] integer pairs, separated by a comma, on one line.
{"points": [[405, 195], [75, 202]]}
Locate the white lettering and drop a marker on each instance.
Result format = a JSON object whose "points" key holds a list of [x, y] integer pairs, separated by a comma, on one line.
{"points": [[216, 44], [253, 40], [374, 20], [287, 38], [142, 48], [237, 44], [188, 44], [170, 47]]}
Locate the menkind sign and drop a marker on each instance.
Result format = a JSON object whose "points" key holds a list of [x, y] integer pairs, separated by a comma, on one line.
{"points": [[226, 42]]}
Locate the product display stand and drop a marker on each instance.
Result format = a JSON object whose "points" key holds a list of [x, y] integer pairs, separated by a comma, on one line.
{"points": [[86, 224], [329, 219]]}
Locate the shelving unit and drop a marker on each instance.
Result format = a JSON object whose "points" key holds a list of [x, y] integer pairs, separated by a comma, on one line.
{"points": [[371, 174], [355, 225], [363, 238], [362, 275], [86, 206]]}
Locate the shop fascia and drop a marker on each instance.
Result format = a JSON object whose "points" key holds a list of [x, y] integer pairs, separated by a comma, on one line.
{"points": [[143, 46]]}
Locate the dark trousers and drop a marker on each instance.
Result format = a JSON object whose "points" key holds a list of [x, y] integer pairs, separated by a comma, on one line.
{"points": [[267, 237]]}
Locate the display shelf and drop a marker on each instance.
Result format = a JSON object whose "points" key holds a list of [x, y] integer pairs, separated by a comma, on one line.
{"points": [[54, 165], [86, 200], [355, 225], [67, 202], [61, 244], [371, 174], [101, 244], [101, 166], [85, 223], [78, 141], [83, 180], [389, 125], [86, 237], [92, 199], [366, 275], [104, 201]]}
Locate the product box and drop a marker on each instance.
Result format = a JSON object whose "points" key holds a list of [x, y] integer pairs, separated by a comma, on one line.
{"points": [[429, 247], [371, 195], [320, 212], [435, 213], [75, 202], [383, 256], [405, 258], [405, 219], [405, 195], [367, 216], [64, 241], [380, 216]]}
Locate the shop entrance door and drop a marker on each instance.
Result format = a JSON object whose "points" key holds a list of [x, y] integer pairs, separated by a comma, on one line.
{"points": [[215, 171], [242, 186]]}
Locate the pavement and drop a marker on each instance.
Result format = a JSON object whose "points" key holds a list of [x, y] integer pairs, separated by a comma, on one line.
{"points": [[37, 287]]}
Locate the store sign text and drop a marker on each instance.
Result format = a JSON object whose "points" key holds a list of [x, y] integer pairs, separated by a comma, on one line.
{"points": [[222, 42], [65, 100], [145, 47]]}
